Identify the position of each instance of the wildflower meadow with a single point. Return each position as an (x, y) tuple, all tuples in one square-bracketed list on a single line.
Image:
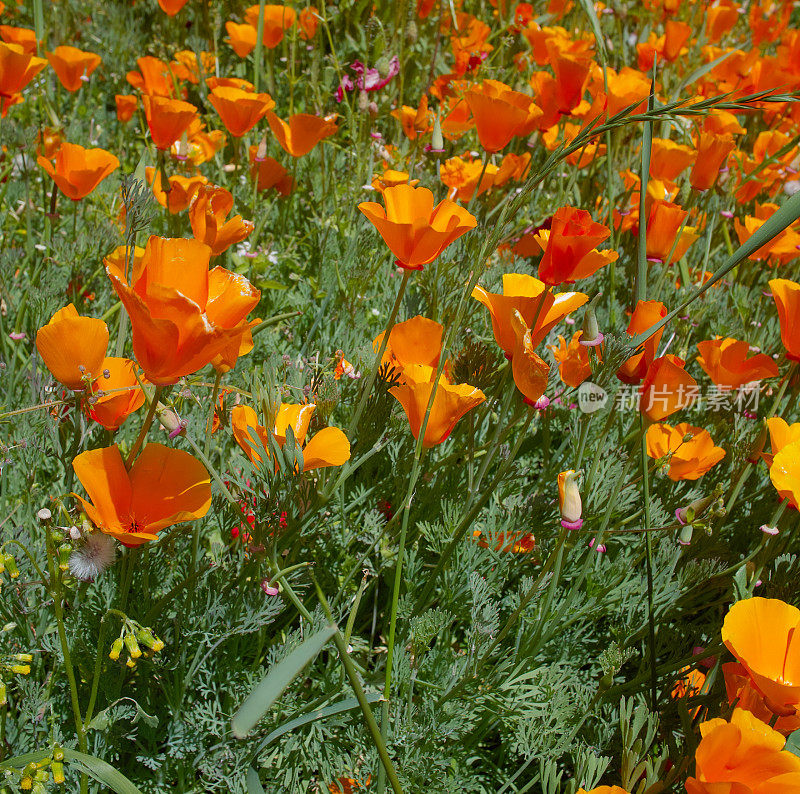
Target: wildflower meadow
[(400, 397)]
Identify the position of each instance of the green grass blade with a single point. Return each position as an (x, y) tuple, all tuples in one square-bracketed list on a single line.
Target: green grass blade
[(773, 226), (588, 7), (279, 677), (640, 286), (253, 783), (102, 772), (702, 71)]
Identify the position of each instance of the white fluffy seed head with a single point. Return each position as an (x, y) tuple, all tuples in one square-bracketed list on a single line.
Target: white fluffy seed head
[(92, 557)]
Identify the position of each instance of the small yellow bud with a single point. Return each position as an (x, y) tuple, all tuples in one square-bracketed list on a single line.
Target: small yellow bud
[(116, 649), (133, 647), (57, 769)]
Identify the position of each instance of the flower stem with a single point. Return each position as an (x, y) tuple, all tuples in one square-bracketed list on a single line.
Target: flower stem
[(151, 412)]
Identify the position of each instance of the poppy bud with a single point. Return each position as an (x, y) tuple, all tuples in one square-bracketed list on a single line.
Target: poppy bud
[(606, 682), (569, 500), (383, 66), (591, 336), (363, 101), (116, 649), (688, 514), (437, 140), (169, 420), (685, 536)]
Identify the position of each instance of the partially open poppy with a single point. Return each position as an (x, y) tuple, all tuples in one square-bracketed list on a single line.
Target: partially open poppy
[(182, 189), (743, 756), (116, 393), (762, 633), (449, 405), (415, 121), (73, 347), (645, 315), (25, 37), (524, 293), (17, 69), (154, 77), (207, 216), (73, 66), (688, 460), (664, 220), (163, 487), (171, 7), (78, 171), (667, 387), (168, 119), (529, 370), (787, 300), (303, 132), (574, 366), (570, 247), (415, 341), (725, 361), (182, 315), (501, 113), (416, 231), (668, 160), (328, 447), (269, 173), (308, 20), (126, 106), (712, 153), (242, 38), (240, 110), (277, 20)]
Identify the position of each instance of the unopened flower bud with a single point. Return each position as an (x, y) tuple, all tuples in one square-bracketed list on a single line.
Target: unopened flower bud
[(116, 649), (411, 32), (591, 336), (11, 566), (569, 500), (20, 669), (133, 647), (685, 536), (57, 768), (437, 140), (169, 419), (23, 657), (3, 693), (606, 682), (63, 556), (688, 514), (383, 66)]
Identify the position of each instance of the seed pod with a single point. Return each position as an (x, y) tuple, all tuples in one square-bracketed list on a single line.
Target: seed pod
[(685, 536)]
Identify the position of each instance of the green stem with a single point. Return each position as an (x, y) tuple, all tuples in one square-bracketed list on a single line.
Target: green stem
[(649, 562), (151, 412)]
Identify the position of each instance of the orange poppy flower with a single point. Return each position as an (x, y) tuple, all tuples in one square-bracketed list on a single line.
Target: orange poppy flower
[(570, 505), (268, 173), (277, 20), (182, 189), (49, 141), (242, 38), (171, 7), (116, 397), (762, 633), (415, 341), (524, 293), (302, 133), (785, 474), (416, 231), (572, 75), (197, 146), (781, 249), (570, 247), (663, 222), (25, 37), (741, 693), (625, 88), (645, 315), (604, 790), (787, 300), (226, 360), (17, 69), (573, 360), (329, 447), (182, 315), (308, 20), (154, 77), (168, 119), (78, 171), (240, 110), (668, 160), (449, 405), (73, 66), (530, 372), (688, 460), (391, 178), (500, 113), (163, 487), (462, 176), (725, 362), (186, 65), (689, 685), (743, 756), (207, 216), (73, 347), (781, 433), (721, 17), (126, 106), (415, 120), (667, 387), (712, 152)]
